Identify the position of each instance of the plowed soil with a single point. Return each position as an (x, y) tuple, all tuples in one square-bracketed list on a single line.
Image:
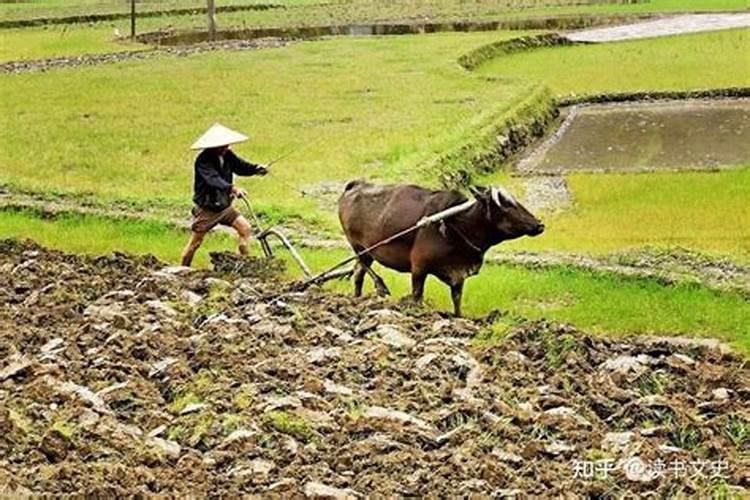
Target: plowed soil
[(119, 376)]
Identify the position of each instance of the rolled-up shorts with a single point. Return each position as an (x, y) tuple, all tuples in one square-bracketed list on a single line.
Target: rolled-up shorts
[(204, 220)]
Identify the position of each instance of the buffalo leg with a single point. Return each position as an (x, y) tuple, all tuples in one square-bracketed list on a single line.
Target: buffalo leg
[(457, 291), (359, 279), (380, 285), (417, 285), (364, 266)]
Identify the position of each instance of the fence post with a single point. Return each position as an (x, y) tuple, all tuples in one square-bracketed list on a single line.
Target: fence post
[(132, 19), (211, 20)]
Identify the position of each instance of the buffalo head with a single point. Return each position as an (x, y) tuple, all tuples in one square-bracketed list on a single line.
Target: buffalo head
[(507, 216)]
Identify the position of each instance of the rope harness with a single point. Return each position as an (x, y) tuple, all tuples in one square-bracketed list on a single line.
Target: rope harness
[(448, 225)]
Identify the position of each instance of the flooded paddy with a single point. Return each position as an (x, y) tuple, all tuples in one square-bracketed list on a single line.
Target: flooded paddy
[(647, 136)]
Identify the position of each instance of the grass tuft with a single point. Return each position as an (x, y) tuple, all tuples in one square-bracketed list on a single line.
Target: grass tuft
[(288, 423)]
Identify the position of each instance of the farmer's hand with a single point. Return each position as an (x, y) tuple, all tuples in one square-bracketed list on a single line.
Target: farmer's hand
[(261, 170), (238, 192)]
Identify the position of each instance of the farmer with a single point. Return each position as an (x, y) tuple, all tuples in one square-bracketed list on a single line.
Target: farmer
[(213, 190)]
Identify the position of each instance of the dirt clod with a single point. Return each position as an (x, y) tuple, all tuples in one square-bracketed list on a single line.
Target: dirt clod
[(252, 267)]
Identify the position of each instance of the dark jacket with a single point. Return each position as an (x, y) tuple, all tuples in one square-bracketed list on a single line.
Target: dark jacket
[(213, 182)]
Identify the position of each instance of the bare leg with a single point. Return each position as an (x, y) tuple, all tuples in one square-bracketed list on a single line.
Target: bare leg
[(457, 291), (245, 233), (195, 242)]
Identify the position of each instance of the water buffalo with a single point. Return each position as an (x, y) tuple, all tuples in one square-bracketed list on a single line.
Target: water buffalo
[(451, 250)]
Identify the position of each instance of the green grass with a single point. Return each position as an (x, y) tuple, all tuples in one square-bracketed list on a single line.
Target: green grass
[(596, 302), (705, 60), (706, 211), (61, 8), (96, 235), (57, 41), (183, 400), (356, 107), (291, 424), (64, 429)]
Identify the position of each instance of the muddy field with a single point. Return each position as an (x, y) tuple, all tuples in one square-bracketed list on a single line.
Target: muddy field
[(671, 135), (120, 376)]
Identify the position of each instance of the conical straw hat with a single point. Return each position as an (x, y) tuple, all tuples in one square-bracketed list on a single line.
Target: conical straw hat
[(218, 135)]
